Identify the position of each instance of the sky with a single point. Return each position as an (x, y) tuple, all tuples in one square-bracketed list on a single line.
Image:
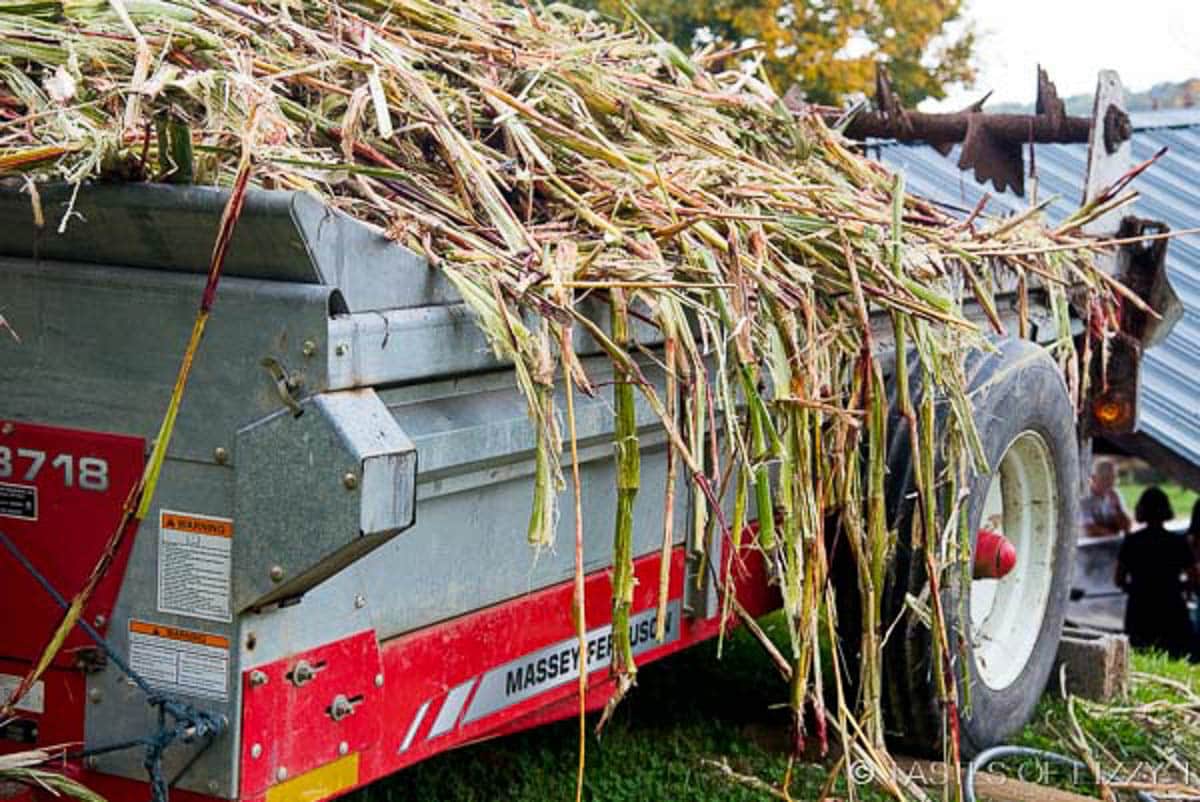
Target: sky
[(1146, 41)]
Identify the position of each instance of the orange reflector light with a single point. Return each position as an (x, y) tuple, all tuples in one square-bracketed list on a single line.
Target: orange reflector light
[(1113, 412)]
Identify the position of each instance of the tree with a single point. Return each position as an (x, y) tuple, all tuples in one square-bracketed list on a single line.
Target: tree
[(829, 47)]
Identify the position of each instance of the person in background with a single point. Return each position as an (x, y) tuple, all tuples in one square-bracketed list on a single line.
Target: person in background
[(1193, 531), (1193, 537), (1155, 568), (1101, 510)]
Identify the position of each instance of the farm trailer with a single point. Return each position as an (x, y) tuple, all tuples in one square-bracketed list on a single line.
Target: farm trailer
[(330, 585)]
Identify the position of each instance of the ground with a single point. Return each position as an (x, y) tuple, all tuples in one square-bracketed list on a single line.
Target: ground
[(693, 707)]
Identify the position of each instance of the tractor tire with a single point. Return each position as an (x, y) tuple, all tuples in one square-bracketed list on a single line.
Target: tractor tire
[(1004, 636)]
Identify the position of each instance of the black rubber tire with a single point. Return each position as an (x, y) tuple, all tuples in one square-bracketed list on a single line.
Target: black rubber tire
[(1017, 389)]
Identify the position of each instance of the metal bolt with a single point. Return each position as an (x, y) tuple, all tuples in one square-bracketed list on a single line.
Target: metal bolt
[(99, 621), (90, 762), (213, 786), (340, 708), (95, 696), (276, 573), (350, 480), (379, 680), (343, 748), (281, 773), (302, 674), (257, 678), (309, 348), (341, 349), (256, 751), (360, 601), (220, 455)]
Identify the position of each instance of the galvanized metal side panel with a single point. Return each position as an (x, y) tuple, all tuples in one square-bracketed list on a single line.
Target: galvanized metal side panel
[(431, 342), (281, 236), (468, 548), (371, 271), (157, 226), (100, 348), (116, 710)]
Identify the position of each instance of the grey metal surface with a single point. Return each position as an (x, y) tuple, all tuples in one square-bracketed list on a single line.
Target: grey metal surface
[(1170, 192), (158, 226), (316, 492), (430, 342), (281, 236), (121, 711), (468, 547), (100, 348)]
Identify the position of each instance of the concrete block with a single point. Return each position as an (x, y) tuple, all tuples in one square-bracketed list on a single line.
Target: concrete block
[(1097, 664)]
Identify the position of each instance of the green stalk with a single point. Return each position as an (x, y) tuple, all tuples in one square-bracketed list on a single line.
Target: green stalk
[(628, 459)]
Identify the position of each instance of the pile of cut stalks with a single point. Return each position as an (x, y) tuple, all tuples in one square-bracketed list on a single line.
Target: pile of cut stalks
[(541, 156)]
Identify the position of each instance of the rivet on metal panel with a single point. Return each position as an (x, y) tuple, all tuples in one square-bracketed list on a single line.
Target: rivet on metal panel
[(213, 786), (221, 455), (341, 349), (281, 773), (343, 748), (309, 348), (95, 696), (257, 678), (276, 573), (360, 601), (90, 762), (256, 751), (350, 480), (379, 680), (99, 621)]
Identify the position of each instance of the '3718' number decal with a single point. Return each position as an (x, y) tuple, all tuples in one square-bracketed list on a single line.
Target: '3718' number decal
[(87, 473)]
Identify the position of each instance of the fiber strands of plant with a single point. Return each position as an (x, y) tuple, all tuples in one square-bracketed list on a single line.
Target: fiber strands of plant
[(538, 157)]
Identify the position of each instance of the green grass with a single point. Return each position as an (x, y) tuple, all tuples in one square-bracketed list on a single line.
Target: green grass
[(1126, 744), (692, 707), (1181, 498)]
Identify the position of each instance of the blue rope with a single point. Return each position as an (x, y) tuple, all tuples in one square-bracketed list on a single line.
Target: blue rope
[(178, 721)]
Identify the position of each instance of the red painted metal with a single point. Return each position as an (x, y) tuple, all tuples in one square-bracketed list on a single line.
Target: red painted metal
[(80, 481), (298, 724), (395, 727), (995, 555)]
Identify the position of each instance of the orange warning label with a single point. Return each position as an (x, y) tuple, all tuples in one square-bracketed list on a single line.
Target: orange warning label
[(195, 524), (177, 634)]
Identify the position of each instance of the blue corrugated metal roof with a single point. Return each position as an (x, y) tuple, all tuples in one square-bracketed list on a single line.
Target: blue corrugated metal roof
[(1169, 411)]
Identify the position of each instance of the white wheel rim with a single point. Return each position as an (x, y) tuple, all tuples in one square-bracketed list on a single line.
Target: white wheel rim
[(1006, 614)]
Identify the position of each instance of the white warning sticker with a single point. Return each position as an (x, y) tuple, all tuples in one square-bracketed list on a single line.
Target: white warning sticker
[(34, 700), (180, 660), (194, 558)]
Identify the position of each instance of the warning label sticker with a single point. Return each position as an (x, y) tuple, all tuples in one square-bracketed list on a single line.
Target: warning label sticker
[(18, 501), (180, 660), (34, 700), (194, 557)]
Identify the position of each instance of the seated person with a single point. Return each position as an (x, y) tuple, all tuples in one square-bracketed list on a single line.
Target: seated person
[(1102, 511), (1151, 568)]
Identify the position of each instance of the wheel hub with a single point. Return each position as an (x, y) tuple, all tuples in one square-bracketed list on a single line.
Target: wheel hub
[(1014, 560)]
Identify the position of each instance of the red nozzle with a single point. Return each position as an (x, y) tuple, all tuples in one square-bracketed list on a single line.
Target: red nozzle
[(995, 555)]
